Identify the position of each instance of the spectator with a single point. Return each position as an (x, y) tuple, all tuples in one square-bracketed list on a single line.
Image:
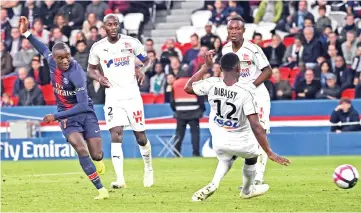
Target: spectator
[(97, 7), (94, 37), (311, 47), (349, 26), (118, 6), (175, 68), (216, 70), (282, 87), (91, 21), (149, 45), (219, 14), (158, 80), (61, 22), (192, 53), (325, 69), (293, 54), (41, 74), (307, 88), (73, 12), (257, 39), (332, 53), (269, 11), (233, 7), (324, 39), (196, 64), (6, 61), (57, 37), (349, 47), (48, 11), (96, 91), (300, 76), (171, 51), (31, 11), (275, 51), (6, 100), (218, 50), (168, 92), (24, 56), (31, 95), (19, 82), (344, 75), (296, 22), (15, 43), (331, 90), (5, 26), (208, 39), (332, 40), (82, 55), (345, 113), (358, 88), (153, 58), (356, 63), (323, 20), (39, 32), (271, 89)]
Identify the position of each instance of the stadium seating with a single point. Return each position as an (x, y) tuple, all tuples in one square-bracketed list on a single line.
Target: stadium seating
[(348, 93), (338, 16), (200, 18), (48, 93), (184, 33), (9, 84), (132, 23), (222, 32), (148, 98)]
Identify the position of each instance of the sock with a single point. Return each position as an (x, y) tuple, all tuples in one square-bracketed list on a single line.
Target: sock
[(118, 161), (90, 170), (261, 165), (146, 152), (222, 168), (248, 177)]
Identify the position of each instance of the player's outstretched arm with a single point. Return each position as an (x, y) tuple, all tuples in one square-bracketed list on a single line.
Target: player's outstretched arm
[(199, 75), (265, 75), (39, 46), (262, 140)]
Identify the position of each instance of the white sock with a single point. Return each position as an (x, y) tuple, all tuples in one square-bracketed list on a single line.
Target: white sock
[(118, 161), (222, 168), (261, 165), (248, 177), (146, 152)]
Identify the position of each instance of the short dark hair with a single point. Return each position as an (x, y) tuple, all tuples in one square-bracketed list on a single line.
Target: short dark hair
[(60, 46), (93, 27), (237, 18), (80, 41), (229, 62), (322, 7), (151, 51), (195, 35), (149, 39), (256, 34), (309, 18)]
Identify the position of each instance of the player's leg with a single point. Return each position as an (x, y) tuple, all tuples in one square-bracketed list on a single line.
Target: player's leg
[(264, 113), (116, 118), (135, 114), (195, 132), (180, 132), (77, 142)]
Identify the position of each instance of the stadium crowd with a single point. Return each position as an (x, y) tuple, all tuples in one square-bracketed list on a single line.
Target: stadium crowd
[(311, 60)]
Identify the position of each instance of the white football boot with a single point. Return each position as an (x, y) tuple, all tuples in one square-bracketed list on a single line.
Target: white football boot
[(204, 193), (118, 185), (148, 178), (255, 190)]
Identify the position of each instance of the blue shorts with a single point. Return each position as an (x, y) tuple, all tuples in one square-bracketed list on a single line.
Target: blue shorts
[(86, 123)]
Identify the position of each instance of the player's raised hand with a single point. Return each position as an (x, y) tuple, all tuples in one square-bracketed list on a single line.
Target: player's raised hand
[(209, 57), (104, 82), (23, 24), (278, 159), (49, 118)]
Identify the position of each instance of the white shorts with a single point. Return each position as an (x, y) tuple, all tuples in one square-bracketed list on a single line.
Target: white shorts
[(227, 145), (125, 113), (263, 106)]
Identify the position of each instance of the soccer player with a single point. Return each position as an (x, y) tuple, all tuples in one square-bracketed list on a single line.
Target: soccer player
[(76, 114), (255, 70), (116, 54), (234, 125)]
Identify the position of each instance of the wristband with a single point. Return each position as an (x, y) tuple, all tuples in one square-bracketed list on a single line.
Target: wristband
[(26, 34)]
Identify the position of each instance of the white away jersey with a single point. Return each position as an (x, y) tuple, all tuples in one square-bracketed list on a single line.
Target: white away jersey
[(230, 105), (118, 65), (252, 60)]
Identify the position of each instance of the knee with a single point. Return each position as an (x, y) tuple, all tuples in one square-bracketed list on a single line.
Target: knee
[(97, 156), (81, 150), (117, 137), (141, 139)]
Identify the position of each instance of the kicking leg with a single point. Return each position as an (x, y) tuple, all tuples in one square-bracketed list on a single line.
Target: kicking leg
[(77, 142), (96, 153), (249, 171), (146, 152), (117, 156)]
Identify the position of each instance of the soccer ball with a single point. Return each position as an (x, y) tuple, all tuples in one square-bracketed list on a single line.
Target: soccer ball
[(345, 176)]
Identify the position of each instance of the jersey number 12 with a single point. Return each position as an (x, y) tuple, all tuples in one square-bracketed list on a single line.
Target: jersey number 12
[(229, 114)]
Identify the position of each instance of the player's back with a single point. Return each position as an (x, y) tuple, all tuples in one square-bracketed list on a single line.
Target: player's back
[(229, 106), (118, 64)]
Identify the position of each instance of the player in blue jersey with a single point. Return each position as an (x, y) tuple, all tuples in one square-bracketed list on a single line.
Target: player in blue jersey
[(76, 114)]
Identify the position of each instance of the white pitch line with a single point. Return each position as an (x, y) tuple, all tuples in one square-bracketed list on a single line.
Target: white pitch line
[(45, 175)]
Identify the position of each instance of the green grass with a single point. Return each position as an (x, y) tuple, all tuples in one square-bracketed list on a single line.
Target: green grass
[(306, 185)]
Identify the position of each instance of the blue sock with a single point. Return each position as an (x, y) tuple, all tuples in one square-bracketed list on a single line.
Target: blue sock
[(90, 170)]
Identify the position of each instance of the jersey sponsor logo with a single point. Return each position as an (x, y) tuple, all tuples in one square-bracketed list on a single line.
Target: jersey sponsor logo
[(80, 89), (127, 45), (118, 61), (66, 81), (138, 116), (59, 89), (227, 124), (245, 57), (244, 73)]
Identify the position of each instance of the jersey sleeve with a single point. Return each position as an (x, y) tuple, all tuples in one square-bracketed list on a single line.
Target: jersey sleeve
[(93, 56), (139, 50), (261, 60), (202, 87), (249, 104)]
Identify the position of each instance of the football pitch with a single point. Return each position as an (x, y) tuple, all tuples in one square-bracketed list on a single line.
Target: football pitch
[(60, 186)]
